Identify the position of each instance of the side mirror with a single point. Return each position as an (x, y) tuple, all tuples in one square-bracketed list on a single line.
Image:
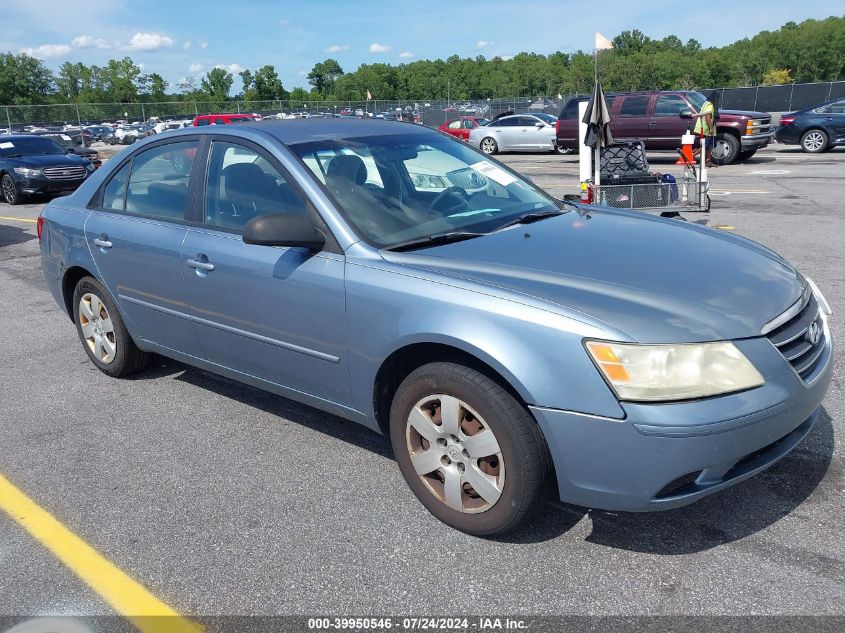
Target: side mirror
[(685, 114), (539, 124), (283, 229)]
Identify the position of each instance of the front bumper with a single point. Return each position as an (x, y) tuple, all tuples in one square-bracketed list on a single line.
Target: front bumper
[(663, 456), (755, 141), (43, 185)]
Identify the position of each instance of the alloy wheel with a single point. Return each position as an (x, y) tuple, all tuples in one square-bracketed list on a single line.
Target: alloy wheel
[(97, 328), (455, 453), (720, 150), (9, 193), (488, 146), (814, 141)]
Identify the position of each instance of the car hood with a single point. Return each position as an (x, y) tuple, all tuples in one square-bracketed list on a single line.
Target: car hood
[(48, 160), (748, 113), (657, 280)]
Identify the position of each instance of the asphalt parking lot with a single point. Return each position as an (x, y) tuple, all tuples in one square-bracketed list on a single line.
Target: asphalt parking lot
[(221, 500)]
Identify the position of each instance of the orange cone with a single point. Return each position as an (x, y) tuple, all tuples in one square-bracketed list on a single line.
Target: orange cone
[(687, 141)]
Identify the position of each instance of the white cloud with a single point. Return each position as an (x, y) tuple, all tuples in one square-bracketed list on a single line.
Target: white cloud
[(506, 58), (284, 22), (483, 43), (337, 48), (380, 48), (47, 51), (148, 42), (196, 68), (406, 55), (187, 45), (232, 68), (88, 41), (301, 73), (141, 65), (202, 43)]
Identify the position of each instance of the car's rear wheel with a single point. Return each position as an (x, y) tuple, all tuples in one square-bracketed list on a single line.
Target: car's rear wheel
[(102, 331), (10, 190), (562, 150), (470, 452), (489, 145), (814, 141)]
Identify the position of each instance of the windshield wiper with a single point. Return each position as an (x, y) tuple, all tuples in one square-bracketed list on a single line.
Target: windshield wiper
[(528, 218), (434, 240)]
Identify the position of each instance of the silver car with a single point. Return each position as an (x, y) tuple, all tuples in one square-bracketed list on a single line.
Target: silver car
[(516, 133)]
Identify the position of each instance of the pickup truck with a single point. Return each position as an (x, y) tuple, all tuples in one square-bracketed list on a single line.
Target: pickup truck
[(656, 118)]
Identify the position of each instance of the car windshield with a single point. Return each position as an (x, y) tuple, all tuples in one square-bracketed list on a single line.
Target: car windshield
[(62, 139), (404, 187), (482, 121), (28, 146), (697, 99)]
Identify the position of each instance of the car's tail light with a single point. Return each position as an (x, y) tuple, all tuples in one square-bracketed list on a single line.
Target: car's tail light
[(557, 126), (786, 120), (39, 226)]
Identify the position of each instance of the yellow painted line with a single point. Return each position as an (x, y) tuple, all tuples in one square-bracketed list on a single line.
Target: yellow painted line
[(723, 227), (126, 596), (6, 217)]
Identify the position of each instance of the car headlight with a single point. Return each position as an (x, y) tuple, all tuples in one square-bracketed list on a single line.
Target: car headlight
[(26, 172), (673, 372), (424, 181), (823, 304)]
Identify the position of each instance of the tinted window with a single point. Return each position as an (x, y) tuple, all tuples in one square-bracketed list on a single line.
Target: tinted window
[(634, 106), (158, 185), (219, 120), (28, 146), (511, 121), (242, 184), (114, 192), (669, 105), (571, 110), (833, 108), (203, 122)]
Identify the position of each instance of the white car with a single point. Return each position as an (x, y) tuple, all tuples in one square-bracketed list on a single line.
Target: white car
[(516, 133)]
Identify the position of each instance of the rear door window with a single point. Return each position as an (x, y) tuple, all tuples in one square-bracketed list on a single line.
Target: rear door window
[(571, 110), (114, 193), (634, 105), (158, 184)]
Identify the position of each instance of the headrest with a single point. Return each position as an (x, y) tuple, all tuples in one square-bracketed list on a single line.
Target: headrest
[(348, 167)]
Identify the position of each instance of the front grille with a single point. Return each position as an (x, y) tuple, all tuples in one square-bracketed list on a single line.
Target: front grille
[(760, 126), (64, 173), (801, 339)]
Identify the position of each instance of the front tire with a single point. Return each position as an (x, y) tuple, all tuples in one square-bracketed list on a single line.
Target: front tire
[(489, 146), (814, 141), (10, 190), (472, 454), (744, 156), (725, 149), (102, 332)]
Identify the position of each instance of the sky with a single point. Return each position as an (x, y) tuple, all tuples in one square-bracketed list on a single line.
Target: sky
[(182, 39)]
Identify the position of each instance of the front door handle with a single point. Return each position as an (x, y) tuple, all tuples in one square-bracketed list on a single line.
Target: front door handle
[(201, 265), (102, 241)]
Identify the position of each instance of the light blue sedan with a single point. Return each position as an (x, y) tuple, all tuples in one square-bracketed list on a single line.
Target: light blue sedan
[(497, 335)]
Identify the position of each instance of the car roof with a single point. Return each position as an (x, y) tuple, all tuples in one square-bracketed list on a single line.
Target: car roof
[(11, 137), (293, 131)]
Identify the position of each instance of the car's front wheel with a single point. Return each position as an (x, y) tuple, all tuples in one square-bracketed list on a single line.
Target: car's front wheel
[(725, 148), (814, 141), (470, 452), (489, 145), (102, 331), (10, 190)]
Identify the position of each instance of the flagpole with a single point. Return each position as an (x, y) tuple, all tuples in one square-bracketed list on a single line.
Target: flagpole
[(597, 154)]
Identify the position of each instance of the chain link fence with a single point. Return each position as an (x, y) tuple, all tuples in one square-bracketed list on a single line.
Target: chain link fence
[(433, 112)]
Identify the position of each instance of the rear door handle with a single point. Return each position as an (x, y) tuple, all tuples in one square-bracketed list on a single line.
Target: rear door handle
[(102, 241), (195, 263)]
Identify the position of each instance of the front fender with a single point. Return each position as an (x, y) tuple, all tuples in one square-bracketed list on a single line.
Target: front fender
[(540, 353)]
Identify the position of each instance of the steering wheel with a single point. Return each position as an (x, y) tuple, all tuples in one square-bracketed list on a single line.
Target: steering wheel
[(453, 191)]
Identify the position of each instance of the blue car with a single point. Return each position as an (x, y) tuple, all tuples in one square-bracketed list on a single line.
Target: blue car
[(394, 276), (815, 129)]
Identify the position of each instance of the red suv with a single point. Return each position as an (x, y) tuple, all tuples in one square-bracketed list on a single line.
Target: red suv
[(223, 119), (656, 118)]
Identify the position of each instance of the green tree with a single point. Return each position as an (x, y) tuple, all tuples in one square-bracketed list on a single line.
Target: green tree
[(119, 79), (217, 83), (777, 76), (324, 75), (24, 79)]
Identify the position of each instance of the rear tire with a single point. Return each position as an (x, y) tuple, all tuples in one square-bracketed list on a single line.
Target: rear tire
[(489, 146), (814, 141), (562, 150), (102, 332), (436, 412)]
